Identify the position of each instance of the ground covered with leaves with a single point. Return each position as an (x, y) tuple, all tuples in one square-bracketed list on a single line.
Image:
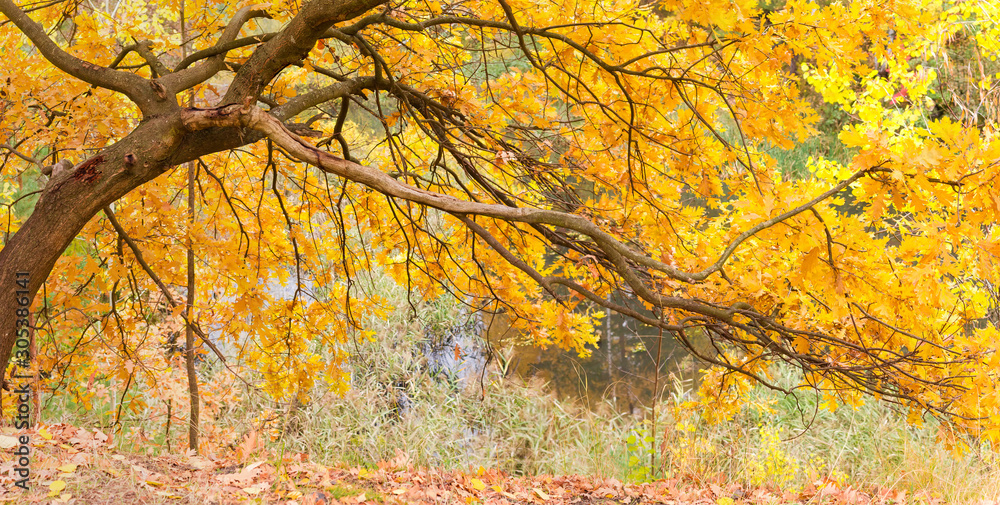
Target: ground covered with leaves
[(76, 465)]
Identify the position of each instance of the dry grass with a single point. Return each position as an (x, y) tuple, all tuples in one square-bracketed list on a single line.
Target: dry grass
[(397, 402)]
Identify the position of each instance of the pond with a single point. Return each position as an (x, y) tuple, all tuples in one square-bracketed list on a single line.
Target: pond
[(620, 372)]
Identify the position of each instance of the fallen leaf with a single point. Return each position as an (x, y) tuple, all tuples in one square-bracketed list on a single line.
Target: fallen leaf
[(401, 461), (201, 463), (7, 442), (67, 468), (44, 433), (478, 484), (541, 494), (248, 446), (56, 487)]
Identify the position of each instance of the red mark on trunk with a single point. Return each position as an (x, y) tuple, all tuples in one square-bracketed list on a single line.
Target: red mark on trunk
[(87, 171)]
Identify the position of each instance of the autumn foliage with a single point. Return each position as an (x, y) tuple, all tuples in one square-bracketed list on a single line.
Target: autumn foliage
[(533, 158)]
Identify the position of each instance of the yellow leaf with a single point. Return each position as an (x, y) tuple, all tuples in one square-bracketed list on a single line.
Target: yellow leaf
[(724, 500), (801, 345), (811, 260), (44, 433), (478, 484), (56, 487), (541, 494), (67, 468)]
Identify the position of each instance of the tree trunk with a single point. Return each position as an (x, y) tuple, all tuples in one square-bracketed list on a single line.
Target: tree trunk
[(192, 372), (68, 202)]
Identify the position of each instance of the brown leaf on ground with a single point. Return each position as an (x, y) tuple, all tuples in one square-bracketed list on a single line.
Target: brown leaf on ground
[(105, 477)]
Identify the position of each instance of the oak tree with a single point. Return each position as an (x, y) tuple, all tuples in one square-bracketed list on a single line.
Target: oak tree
[(536, 158)]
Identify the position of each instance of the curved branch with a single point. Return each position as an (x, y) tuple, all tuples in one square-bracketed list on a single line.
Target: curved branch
[(220, 48), (300, 103), (292, 44), (719, 263), (122, 54), (30, 159), (338, 128), (618, 252), (145, 50), (188, 77), (507, 255), (133, 86)]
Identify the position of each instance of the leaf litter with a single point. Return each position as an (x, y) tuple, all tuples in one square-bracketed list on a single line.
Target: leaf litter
[(72, 465)]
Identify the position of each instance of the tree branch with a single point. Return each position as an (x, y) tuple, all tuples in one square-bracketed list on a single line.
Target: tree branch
[(300, 103), (619, 253), (133, 86), (163, 287), (291, 45), (30, 159), (145, 50), (188, 77), (719, 263), (507, 255), (220, 48)]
